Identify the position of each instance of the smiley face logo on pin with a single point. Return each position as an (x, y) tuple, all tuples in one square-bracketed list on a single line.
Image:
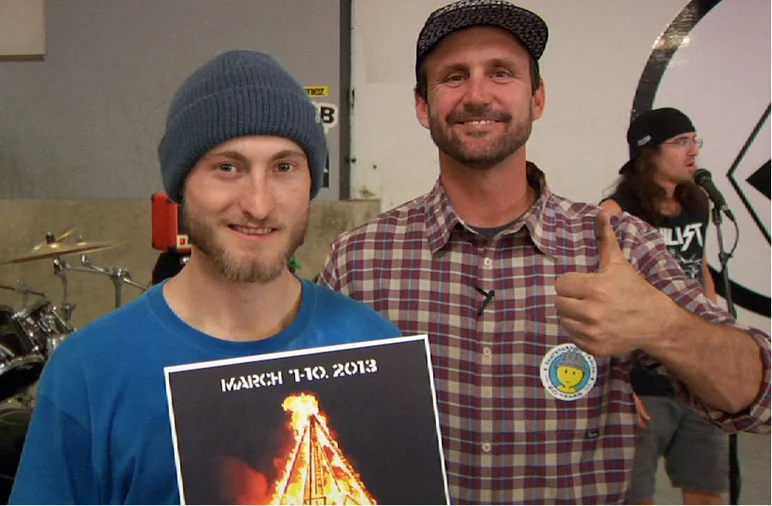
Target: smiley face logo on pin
[(568, 373)]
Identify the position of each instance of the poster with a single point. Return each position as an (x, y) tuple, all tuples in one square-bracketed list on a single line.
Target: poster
[(347, 424)]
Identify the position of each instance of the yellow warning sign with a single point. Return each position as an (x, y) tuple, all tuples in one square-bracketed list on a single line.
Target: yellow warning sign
[(317, 91)]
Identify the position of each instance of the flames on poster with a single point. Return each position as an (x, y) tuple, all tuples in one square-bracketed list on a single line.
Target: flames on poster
[(315, 471)]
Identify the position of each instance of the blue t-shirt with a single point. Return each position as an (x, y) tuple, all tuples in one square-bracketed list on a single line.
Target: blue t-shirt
[(100, 432)]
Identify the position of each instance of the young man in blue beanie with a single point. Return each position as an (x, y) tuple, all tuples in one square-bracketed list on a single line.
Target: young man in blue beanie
[(244, 153)]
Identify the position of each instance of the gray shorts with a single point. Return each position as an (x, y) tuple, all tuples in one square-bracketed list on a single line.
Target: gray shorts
[(696, 452)]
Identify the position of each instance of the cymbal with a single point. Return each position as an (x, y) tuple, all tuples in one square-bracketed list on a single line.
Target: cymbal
[(56, 249), (51, 239), (67, 233)]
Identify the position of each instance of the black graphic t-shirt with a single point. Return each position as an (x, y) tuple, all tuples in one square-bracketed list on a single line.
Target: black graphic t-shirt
[(684, 236)]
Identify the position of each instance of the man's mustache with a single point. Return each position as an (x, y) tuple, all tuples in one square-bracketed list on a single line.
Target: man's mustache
[(470, 114)]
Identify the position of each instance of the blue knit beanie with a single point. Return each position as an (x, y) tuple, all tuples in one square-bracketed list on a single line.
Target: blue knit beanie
[(238, 93)]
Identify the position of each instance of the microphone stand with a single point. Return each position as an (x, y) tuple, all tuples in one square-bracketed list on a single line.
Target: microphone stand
[(735, 480)]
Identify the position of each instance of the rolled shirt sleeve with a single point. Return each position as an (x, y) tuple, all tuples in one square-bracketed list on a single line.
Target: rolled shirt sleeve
[(644, 248)]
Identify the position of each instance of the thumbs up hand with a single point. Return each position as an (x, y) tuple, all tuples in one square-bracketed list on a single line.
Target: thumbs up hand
[(615, 310)]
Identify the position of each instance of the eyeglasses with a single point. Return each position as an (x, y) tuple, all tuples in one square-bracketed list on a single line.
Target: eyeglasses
[(685, 142)]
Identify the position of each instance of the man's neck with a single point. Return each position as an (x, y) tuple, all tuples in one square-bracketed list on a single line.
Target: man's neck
[(233, 311), (488, 198)]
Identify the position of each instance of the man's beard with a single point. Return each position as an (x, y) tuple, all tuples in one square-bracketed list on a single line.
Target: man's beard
[(255, 268), (515, 135)]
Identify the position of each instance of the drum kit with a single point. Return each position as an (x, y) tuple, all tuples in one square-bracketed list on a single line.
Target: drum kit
[(28, 336)]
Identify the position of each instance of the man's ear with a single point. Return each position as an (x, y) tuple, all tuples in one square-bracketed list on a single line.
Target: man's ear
[(538, 100), (325, 182), (421, 109)]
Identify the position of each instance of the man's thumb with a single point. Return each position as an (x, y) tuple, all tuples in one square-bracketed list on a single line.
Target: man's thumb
[(608, 245)]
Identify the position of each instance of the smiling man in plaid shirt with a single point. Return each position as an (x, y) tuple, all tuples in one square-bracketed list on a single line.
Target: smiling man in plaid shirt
[(535, 306)]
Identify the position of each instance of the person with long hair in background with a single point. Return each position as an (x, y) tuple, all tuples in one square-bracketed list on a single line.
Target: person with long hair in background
[(656, 185)]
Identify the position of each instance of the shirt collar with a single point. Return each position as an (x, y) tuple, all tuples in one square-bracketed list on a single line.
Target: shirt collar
[(441, 219), (539, 219)]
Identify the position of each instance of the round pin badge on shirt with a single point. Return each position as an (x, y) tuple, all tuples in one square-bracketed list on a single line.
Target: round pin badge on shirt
[(568, 373)]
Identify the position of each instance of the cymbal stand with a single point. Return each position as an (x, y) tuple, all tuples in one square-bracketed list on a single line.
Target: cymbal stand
[(24, 290), (60, 270), (117, 275)]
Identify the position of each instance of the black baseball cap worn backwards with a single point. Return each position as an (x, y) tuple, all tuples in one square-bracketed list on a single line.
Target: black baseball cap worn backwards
[(651, 128)]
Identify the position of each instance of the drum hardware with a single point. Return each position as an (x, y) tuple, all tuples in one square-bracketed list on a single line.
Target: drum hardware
[(25, 399), (118, 276), (51, 239), (54, 248), (21, 357), (43, 324), (59, 271), (30, 335), (24, 290)]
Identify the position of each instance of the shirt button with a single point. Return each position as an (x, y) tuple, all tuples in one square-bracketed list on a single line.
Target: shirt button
[(488, 262), (487, 352), (486, 447)]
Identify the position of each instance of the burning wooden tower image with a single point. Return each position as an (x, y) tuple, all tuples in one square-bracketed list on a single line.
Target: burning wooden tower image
[(316, 471)]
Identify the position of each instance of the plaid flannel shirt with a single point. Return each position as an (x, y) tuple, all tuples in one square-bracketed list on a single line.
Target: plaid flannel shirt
[(506, 439)]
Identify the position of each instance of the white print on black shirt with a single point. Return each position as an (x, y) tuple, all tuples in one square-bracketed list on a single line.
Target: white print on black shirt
[(678, 236), (685, 243)]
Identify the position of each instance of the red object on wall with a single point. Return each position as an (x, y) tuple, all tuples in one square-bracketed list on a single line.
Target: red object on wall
[(168, 231)]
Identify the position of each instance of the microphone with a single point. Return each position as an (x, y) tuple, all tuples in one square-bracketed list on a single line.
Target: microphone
[(488, 298), (703, 179)]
